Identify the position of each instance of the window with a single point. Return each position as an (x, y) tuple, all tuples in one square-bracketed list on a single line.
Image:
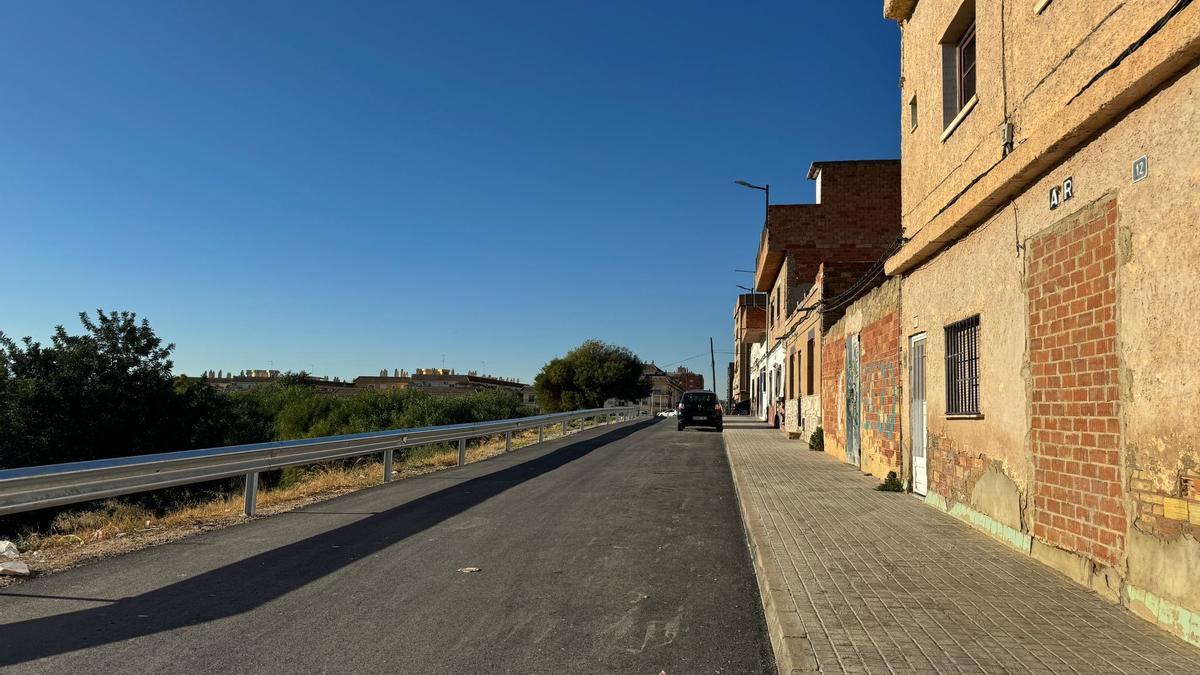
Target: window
[(791, 376), (966, 67), (962, 367), (808, 357), (912, 114), (958, 68)]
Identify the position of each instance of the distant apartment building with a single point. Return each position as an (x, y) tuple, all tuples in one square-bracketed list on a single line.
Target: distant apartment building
[(399, 379), (666, 391), (687, 379), (249, 379), (1050, 289), (433, 381), (749, 328), (444, 382)]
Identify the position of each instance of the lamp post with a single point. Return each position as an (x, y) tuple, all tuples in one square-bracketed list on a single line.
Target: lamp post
[(766, 188)]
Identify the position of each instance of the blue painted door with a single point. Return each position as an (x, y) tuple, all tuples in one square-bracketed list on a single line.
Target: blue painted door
[(853, 400)]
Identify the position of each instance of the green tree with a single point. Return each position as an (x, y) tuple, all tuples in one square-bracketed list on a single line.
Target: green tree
[(588, 376), (299, 379), (107, 391)]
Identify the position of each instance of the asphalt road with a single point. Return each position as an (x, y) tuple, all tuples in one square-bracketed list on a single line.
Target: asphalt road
[(616, 549)]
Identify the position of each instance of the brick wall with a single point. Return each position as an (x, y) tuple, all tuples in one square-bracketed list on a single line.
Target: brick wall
[(879, 382), (865, 185), (953, 473), (857, 220), (880, 376), (875, 319), (833, 395), (1071, 288), (843, 283), (813, 234)]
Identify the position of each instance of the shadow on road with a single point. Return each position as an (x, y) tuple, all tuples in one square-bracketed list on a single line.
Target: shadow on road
[(257, 580)]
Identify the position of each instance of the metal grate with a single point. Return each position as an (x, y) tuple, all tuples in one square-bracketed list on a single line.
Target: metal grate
[(962, 367)]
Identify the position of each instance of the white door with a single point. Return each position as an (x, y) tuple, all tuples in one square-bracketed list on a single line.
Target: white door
[(916, 414)]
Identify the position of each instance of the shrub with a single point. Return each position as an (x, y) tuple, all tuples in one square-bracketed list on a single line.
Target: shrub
[(891, 483), (817, 440)]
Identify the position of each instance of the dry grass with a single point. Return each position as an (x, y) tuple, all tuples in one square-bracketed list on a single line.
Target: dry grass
[(116, 527)]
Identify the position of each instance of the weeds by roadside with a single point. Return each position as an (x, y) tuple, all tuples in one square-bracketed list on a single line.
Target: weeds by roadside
[(115, 526)]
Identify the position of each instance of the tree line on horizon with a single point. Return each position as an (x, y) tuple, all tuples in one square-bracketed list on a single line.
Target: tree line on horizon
[(109, 392)]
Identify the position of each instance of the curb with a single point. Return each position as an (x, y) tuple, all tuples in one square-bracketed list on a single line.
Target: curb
[(789, 639)]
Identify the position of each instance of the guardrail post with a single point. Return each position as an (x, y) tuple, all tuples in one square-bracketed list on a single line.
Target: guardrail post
[(508, 441), (251, 493), (541, 432), (387, 466), (462, 452), (564, 427)]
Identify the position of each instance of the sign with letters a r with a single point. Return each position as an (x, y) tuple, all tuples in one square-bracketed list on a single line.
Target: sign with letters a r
[(1058, 195)]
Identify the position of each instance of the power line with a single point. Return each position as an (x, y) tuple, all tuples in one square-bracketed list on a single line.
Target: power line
[(675, 363)]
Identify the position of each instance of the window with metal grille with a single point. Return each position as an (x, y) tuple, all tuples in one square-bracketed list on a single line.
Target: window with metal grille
[(962, 367)]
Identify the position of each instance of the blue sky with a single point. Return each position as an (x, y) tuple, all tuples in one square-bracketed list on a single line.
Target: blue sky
[(343, 187)]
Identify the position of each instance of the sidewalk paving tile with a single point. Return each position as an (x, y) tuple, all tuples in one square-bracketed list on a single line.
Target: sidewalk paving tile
[(883, 583)]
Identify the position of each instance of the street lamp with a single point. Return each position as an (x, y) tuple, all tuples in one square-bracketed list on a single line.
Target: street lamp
[(766, 188)]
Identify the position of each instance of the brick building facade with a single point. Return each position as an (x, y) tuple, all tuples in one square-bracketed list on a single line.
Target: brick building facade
[(1049, 306), (687, 379), (813, 260), (749, 328), (860, 383)]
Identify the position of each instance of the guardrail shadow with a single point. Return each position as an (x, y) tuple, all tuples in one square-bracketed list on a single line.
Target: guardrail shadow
[(251, 582)]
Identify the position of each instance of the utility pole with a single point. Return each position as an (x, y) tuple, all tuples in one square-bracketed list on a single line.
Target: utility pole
[(712, 356)]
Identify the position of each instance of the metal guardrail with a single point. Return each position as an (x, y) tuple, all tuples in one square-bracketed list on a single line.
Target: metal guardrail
[(39, 487)]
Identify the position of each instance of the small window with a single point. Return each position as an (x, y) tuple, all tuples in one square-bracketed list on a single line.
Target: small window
[(958, 45), (912, 114), (791, 376), (962, 367), (809, 355), (966, 67)]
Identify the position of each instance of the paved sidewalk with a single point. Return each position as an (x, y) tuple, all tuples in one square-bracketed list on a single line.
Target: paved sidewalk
[(857, 580)]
